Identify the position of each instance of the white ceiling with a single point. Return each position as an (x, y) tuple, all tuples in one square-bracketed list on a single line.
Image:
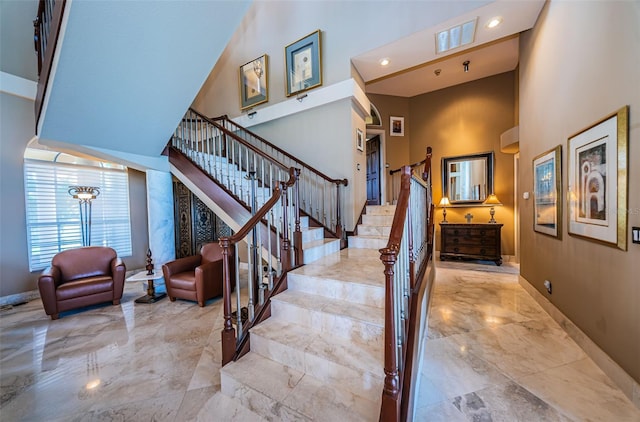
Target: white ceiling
[(413, 60)]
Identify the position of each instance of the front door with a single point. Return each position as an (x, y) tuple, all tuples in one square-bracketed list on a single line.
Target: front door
[(373, 171)]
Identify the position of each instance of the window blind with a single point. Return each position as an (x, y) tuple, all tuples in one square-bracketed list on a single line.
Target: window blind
[(53, 216)]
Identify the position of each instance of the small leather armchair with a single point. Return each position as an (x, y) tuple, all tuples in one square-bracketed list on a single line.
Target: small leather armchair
[(198, 277), (81, 277)]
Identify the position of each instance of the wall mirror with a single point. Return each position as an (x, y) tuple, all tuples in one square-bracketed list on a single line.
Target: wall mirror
[(467, 179)]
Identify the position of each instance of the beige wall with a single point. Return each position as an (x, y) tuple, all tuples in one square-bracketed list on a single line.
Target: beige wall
[(460, 120), (580, 63)]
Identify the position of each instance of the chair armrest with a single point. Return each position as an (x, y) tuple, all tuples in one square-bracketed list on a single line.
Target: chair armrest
[(118, 271), (180, 265), (48, 282), (209, 278)]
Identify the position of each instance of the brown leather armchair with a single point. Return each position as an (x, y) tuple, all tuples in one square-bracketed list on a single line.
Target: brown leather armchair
[(81, 277), (198, 277)]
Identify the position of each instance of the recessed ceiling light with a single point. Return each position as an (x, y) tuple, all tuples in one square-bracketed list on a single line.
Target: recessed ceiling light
[(384, 62), (494, 22)]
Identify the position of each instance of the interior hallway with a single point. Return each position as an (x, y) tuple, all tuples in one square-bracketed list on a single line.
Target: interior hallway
[(492, 355)]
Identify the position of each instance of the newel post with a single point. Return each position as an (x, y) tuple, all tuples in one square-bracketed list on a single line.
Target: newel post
[(390, 410), (228, 332), (338, 215), (297, 234)]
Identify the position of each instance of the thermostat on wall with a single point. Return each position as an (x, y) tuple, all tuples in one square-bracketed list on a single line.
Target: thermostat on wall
[(525, 195)]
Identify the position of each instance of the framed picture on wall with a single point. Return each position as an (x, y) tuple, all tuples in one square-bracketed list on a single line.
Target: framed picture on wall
[(396, 126), (303, 60), (597, 185), (254, 88), (359, 140), (547, 192)]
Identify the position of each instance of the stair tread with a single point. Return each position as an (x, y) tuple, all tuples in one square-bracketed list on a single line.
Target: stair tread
[(364, 313), (306, 397), (324, 345), (369, 236)]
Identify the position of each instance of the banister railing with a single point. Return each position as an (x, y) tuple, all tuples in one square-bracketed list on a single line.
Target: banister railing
[(263, 269), (405, 258), (396, 175), (320, 195), (46, 28)]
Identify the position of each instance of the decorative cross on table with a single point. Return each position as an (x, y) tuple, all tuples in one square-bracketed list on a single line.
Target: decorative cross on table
[(469, 216)]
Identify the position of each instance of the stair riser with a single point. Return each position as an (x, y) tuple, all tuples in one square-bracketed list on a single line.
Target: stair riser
[(349, 292), (380, 209), (317, 252), (257, 401), (365, 243), (377, 220), (341, 326), (382, 231), (312, 234), (361, 383)]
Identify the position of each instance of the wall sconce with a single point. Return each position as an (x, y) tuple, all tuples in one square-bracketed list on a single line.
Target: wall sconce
[(444, 203), (493, 201), (465, 65), (84, 195), (301, 97)]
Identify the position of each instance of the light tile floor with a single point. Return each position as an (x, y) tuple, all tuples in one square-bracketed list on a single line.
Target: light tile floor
[(492, 355)]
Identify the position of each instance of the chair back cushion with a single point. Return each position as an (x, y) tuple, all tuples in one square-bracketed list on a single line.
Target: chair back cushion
[(90, 261), (211, 252)]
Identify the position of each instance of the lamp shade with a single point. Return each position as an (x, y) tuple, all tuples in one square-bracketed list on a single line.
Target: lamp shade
[(492, 200), (444, 202)]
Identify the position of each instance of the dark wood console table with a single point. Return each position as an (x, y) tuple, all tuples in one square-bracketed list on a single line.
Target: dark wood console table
[(471, 241)]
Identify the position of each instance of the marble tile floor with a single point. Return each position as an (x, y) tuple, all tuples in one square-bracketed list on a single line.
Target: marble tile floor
[(492, 354)]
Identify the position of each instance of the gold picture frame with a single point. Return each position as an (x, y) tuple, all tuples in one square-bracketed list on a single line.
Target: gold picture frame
[(254, 82), (303, 64), (547, 192), (598, 180)]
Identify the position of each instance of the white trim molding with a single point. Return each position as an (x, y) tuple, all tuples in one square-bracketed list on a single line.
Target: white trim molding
[(20, 87), (348, 88)]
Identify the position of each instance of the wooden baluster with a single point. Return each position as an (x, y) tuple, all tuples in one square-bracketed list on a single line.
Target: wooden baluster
[(228, 332)]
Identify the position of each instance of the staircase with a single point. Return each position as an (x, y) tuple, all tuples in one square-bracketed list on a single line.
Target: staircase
[(320, 355), (373, 232)]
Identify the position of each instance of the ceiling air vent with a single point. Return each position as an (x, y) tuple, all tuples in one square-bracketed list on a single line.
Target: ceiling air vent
[(456, 36)]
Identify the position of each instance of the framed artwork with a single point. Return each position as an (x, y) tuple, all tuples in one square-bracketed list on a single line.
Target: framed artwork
[(254, 80), (547, 192), (359, 140), (597, 185), (396, 126), (303, 61)]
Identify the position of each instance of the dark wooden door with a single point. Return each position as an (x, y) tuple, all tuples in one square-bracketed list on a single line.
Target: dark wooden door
[(373, 171)]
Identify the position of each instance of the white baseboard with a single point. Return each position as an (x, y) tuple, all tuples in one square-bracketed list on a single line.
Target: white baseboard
[(629, 386)]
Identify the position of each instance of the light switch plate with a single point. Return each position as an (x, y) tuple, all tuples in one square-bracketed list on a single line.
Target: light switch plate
[(635, 234)]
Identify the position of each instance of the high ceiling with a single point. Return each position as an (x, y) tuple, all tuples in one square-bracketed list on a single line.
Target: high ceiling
[(416, 68)]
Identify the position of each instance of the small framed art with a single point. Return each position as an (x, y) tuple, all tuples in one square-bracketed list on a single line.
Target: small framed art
[(396, 126), (359, 140), (254, 80)]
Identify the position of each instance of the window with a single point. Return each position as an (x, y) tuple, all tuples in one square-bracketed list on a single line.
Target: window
[(53, 216)]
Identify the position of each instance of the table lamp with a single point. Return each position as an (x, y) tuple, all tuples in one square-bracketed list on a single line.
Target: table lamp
[(493, 201), (444, 203)]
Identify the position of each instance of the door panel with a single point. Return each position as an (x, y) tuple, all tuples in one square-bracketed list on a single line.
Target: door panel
[(373, 171)]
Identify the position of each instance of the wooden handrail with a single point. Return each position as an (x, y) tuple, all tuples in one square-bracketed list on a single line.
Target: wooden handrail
[(344, 182), (399, 355), (228, 332), (239, 139)]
